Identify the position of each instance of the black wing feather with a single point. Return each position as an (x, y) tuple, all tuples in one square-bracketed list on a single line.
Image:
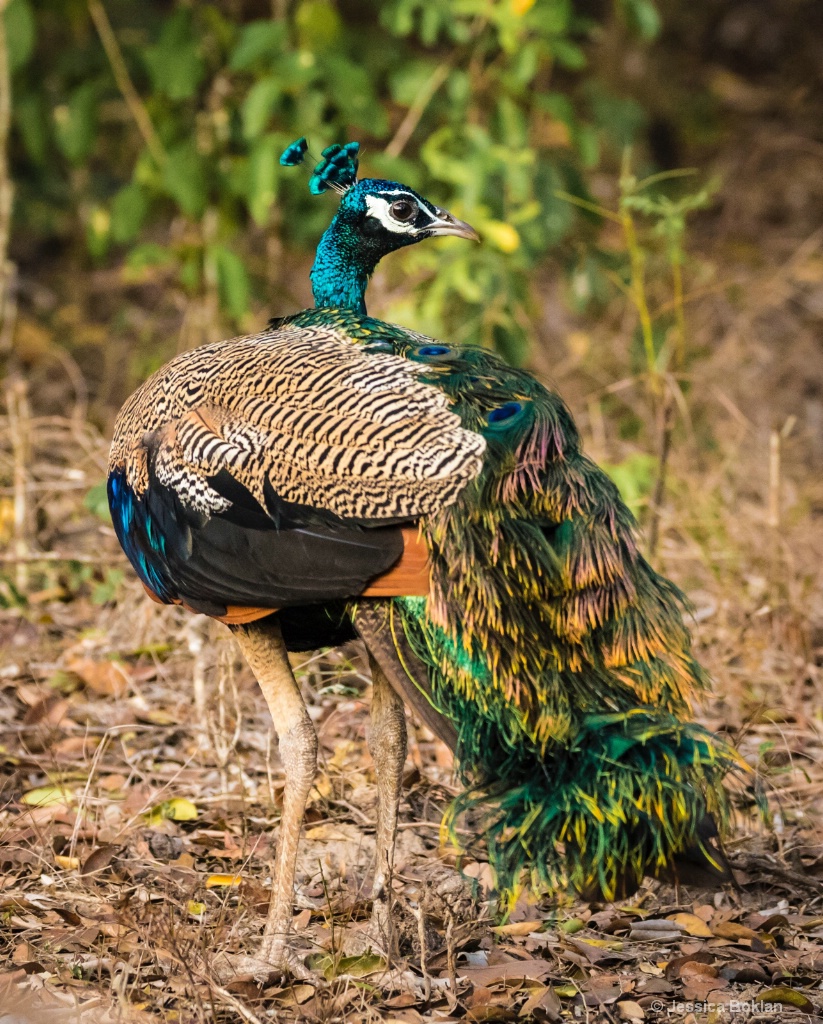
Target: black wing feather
[(232, 560)]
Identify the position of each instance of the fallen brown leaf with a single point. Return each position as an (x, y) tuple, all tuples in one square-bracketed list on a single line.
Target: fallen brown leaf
[(535, 970), (734, 931), (106, 678), (545, 1003), (693, 925), (674, 967), (518, 928)]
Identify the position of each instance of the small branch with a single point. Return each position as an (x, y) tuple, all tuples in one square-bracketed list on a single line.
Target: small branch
[(241, 1009), (6, 188), (774, 481), (773, 518), (417, 109), (124, 82), (678, 299), (637, 292), (17, 402), (584, 204), (751, 861), (667, 416), (7, 270)]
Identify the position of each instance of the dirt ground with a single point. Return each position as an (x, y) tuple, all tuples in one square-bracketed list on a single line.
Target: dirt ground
[(139, 784)]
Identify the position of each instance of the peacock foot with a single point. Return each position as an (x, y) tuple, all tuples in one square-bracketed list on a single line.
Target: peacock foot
[(378, 936), (274, 961)]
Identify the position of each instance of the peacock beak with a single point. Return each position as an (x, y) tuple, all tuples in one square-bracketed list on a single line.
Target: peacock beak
[(445, 223)]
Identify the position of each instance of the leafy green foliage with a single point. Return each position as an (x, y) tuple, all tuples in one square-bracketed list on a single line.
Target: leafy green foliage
[(634, 477), (474, 103), (174, 62), (97, 502)]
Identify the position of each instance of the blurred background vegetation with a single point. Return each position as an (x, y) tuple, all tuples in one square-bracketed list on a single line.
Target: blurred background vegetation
[(647, 178), (145, 141)]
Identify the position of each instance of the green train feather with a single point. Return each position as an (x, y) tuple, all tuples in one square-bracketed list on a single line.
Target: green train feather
[(559, 655)]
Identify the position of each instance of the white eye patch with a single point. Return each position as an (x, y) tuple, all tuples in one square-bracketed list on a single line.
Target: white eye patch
[(378, 208)]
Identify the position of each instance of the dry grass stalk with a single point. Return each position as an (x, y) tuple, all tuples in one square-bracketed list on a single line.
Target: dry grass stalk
[(6, 191), (121, 74), (19, 414)]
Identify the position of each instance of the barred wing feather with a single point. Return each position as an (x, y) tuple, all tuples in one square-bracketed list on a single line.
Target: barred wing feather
[(275, 469), (326, 424)]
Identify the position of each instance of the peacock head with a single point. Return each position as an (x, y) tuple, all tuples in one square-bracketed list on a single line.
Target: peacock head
[(375, 217)]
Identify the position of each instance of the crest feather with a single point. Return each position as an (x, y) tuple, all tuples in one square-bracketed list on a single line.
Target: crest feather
[(336, 171), (293, 155)]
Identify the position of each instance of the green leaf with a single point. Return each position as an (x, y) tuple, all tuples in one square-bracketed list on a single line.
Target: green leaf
[(128, 213), (358, 966), (634, 477), (190, 272), (568, 55), (318, 24), (184, 177), (351, 86), (106, 591), (98, 231), (32, 121), (97, 502), (258, 40), (148, 255), (259, 105), (47, 796), (620, 119), (262, 178), (787, 997), (20, 33), (232, 281), (643, 17), (176, 809), (174, 63), (75, 123), (407, 81), (511, 343), (552, 18)]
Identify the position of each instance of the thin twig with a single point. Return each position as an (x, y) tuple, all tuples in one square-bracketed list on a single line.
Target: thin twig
[(417, 109), (20, 433), (124, 83), (6, 184), (436, 825), (225, 996), (750, 860), (667, 416)]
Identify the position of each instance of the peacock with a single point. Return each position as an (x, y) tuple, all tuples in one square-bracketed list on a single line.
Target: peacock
[(335, 476)]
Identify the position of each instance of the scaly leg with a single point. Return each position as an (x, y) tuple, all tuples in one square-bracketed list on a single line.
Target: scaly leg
[(387, 743), (262, 646)]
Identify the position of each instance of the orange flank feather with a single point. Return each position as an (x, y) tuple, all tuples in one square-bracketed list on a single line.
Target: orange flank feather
[(408, 577), (410, 574)]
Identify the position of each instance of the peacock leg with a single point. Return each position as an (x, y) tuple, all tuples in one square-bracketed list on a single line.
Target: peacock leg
[(387, 743), (263, 647)]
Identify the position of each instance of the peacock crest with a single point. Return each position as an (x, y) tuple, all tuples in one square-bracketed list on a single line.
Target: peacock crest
[(335, 171)]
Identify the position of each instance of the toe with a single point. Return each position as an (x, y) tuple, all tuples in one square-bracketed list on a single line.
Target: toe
[(267, 966)]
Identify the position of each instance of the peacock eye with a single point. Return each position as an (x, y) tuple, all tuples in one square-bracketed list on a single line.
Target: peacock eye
[(403, 210)]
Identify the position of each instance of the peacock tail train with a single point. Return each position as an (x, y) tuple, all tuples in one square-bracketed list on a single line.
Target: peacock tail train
[(556, 651)]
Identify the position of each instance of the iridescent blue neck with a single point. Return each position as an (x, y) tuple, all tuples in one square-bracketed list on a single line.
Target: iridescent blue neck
[(342, 268)]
